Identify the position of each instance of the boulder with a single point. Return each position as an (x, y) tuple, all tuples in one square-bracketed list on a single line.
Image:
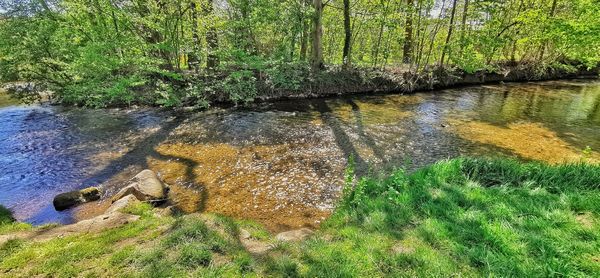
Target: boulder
[(122, 203), (89, 226), (166, 212), (145, 186), (128, 190), (69, 199), (294, 235)]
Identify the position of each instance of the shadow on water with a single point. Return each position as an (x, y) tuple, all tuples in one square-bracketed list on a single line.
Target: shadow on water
[(361, 131), (303, 145), (136, 159), (342, 139)]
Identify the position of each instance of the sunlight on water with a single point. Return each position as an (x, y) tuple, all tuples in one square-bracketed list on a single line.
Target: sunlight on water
[(283, 163), (528, 140)]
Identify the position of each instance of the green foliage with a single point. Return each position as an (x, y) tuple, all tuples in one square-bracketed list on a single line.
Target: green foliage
[(166, 95), (240, 86), (142, 209), (283, 267), (121, 53), (8, 223), (287, 76)]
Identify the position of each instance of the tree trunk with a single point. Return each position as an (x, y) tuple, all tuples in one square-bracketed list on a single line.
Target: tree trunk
[(379, 35), (212, 41), (303, 41), (348, 35), (193, 60), (543, 46), (408, 34), (316, 60), (450, 28), (434, 34), (420, 38), (463, 25)]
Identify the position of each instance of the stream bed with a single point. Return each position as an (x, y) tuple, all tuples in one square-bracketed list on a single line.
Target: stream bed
[(282, 163)]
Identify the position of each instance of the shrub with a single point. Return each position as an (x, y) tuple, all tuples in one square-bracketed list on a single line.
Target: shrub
[(240, 86), (5, 216)]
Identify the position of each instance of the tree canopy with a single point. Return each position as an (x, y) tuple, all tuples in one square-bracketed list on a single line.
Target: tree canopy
[(103, 52)]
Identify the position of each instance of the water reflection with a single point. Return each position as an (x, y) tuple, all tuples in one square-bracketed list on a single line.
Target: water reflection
[(283, 163)]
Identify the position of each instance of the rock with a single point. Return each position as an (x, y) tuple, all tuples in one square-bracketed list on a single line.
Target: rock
[(252, 245), (145, 187), (166, 212), (128, 190), (94, 225), (294, 235), (69, 199), (244, 234), (149, 185), (90, 194), (122, 203)]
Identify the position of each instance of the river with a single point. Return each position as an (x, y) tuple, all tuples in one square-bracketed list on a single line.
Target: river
[(282, 163)]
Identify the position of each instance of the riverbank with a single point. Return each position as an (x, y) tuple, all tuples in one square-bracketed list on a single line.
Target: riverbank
[(337, 82), (475, 217), (242, 86)]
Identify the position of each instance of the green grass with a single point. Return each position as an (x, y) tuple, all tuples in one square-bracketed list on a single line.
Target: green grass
[(477, 217), (8, 223), (462, 217)]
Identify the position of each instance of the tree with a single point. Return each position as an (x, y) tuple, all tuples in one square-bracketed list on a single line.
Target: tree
[(544, 42), (408, 34), (346, 58), (212, 41), (450, 28), (114, 52), (316, 60), (463, 24), (193, 60)]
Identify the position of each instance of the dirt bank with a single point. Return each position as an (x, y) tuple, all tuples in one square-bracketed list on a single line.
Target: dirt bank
[(335, 82)]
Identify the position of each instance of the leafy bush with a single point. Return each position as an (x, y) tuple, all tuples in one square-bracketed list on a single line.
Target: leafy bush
[(240, 86), (287, 76)]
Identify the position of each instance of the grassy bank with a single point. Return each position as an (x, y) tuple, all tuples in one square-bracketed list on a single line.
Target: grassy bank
[(468, 217)]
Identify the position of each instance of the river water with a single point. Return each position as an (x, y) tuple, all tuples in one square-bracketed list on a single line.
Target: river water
[(282, 163)]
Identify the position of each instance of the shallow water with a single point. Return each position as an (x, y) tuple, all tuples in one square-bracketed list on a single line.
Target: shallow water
[(283, 163)]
